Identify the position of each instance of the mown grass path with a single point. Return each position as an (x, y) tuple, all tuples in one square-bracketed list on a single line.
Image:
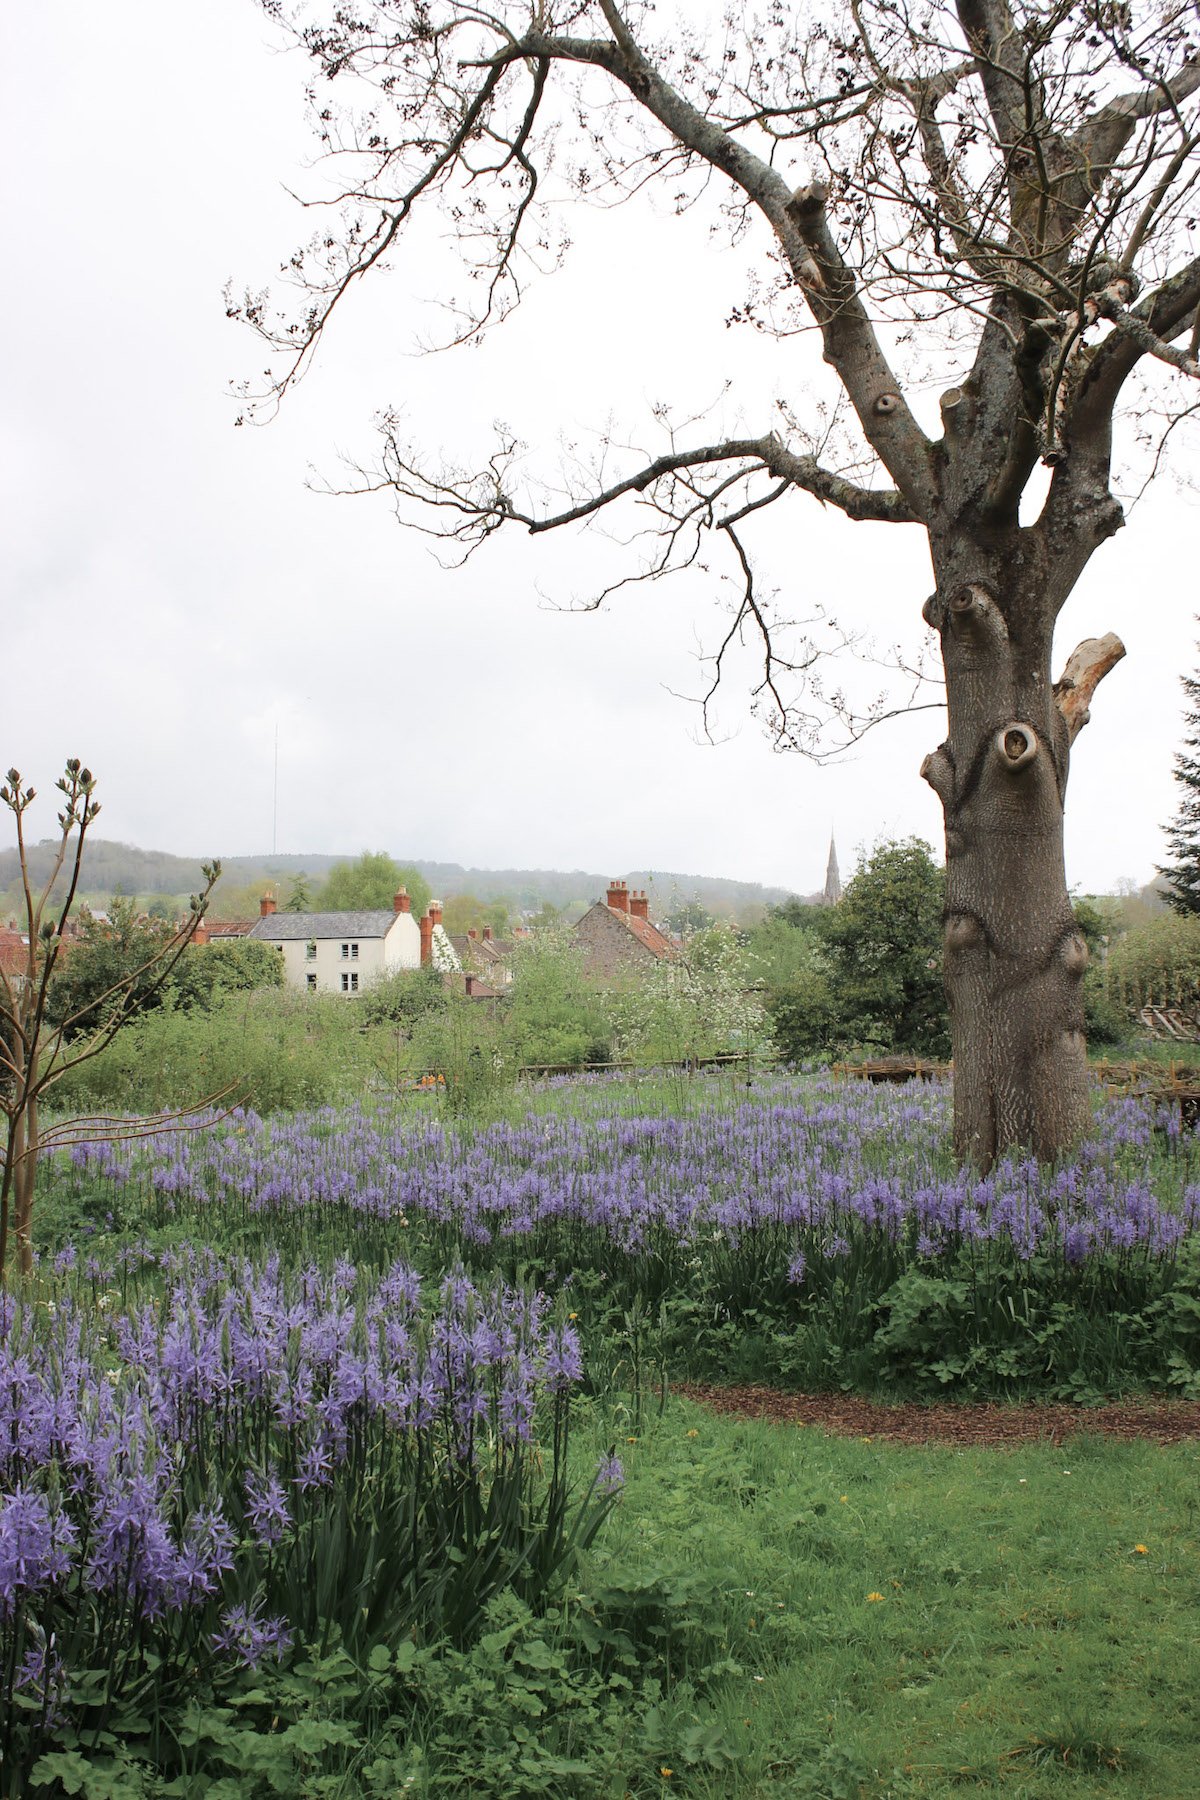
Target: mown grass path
[(932, 1620)]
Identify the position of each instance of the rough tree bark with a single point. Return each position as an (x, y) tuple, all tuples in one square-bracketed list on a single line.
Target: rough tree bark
[(1014, 958), (1025, 173)]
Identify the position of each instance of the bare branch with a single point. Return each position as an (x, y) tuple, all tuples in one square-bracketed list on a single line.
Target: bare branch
[(1108, 306), (1086, 668)]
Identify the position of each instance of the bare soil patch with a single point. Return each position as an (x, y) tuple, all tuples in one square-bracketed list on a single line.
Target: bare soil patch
[(990, 1425)]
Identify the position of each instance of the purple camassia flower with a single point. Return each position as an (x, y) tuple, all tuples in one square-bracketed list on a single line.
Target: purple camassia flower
[(207, 1554), (517, 1401), (266, 1508), (563, 1360), (610, 1476), (248, 1636), (42, 1677), (315, 1465), (131, 1544), (35, 1546), (1077, 1240), (796, 1268)]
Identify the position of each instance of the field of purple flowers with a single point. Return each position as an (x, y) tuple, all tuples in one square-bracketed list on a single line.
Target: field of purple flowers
[(806, 1229), (305, 1382)]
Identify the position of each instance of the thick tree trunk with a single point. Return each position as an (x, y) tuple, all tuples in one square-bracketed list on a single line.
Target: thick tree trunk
[(1014, 958)]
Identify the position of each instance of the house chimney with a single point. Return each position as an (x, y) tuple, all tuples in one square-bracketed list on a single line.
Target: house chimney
[(401, 901), (266, 906), (639, 904), (200, 935), (487, 934), (425, 926), (435, 912), (618, 896), (471, 931), (470, 985)]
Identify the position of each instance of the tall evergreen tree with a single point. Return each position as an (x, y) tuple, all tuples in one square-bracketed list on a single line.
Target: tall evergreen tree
[(1183, 834), (300, 898)]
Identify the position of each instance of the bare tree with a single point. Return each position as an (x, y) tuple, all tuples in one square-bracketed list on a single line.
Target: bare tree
[(34, 1054), (1004, 189)]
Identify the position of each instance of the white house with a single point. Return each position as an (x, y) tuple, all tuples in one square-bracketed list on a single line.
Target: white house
[(341, 952)]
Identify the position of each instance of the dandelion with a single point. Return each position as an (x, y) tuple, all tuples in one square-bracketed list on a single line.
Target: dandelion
[(1140, 1550), (874, 1598), (693, 1433)]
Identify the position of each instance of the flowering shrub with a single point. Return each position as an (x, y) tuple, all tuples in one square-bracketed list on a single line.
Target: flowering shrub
[(239, 1460)]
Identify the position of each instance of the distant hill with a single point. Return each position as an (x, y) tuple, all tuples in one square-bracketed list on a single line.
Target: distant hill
[(111, 868)]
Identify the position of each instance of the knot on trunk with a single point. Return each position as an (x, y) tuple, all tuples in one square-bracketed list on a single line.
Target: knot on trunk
[(963, 931), (807, 202), (938, 770), (971, 613), (1016, 745), (1075, 954)]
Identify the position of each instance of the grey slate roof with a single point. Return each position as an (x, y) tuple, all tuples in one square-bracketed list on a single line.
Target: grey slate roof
[(288, 928)]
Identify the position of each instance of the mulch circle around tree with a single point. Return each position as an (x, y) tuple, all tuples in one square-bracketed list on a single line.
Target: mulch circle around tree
[(987, 1425)]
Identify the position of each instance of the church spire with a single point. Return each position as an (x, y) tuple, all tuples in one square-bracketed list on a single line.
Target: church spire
[(833, 880)]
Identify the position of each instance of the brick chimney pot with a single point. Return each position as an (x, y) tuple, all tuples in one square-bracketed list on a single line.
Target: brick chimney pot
[(266, 906), (425, 926), (618, 896), (402, 901)]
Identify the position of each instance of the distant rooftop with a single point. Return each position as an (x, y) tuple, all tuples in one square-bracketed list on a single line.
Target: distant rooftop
[(289, 928)]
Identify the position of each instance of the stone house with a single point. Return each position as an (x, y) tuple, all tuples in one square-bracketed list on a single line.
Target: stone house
[(482, 954), (617, 936)]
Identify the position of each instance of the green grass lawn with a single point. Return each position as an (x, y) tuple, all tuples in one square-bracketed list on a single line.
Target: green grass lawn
[(925, 1621)]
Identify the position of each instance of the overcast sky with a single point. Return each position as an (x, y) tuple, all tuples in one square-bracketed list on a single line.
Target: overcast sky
[(175, 594)]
